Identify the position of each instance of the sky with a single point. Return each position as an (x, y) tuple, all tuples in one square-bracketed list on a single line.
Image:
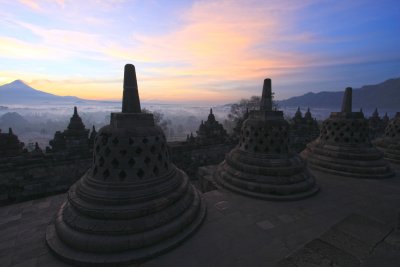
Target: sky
[(199, 51)]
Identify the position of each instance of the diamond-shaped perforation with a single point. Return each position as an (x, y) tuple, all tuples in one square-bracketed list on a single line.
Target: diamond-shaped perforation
[(107, 151), (156, 171), (131, 141), (131, 158), (122, 175), (104, 139), (346, 132), (115, 141), (131, 162), (265, 139), (106, 174), (101, 162), (140, 173), (115, 163)]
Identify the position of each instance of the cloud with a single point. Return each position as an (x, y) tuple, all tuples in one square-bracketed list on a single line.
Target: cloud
[(16, 49), (31, 4), (208, 49)]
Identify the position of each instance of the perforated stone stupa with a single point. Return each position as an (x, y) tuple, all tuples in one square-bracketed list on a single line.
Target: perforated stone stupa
[(10, 146), (390, 142), (211, 132), (133, 203), (74, 139), (262, 164), (344, 146)]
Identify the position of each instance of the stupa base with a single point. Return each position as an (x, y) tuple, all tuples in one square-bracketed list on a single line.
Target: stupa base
[(84, 258), (366, 164), (391, 155), (275, 192)]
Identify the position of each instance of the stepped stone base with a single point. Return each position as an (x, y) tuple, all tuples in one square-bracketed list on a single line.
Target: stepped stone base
[(81, 258), (87, 234), (391, 150), (356, 162), (238, 231), (266, 178)]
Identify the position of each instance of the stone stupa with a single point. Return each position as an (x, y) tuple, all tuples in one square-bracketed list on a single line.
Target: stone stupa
[(344, 147), (390, 142), (76, 135), (10, 146), (262, 165), (133, 203)]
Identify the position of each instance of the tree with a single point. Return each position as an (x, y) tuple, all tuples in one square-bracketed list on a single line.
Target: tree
[(237, 114), (159, 119)]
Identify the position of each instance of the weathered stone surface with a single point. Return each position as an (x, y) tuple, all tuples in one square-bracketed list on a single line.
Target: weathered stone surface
[(238, 231), (262, 165), (389, 144), (26, 178), (303, 130), (344, 147), (133, 203), (351, 242)]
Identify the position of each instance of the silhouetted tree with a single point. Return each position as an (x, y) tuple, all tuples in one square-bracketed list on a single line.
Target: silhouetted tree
[(237, 114)]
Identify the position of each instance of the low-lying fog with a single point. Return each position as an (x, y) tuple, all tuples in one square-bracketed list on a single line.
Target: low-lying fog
[(38, 123)]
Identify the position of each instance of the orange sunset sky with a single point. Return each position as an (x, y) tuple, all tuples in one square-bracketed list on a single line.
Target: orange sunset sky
[(198, 51)]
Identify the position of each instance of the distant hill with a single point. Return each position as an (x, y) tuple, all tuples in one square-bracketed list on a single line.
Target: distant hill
[(385, 95), (17, 92)]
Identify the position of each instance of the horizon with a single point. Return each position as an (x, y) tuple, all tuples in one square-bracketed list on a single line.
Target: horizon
[(193, 103), (190, 51)]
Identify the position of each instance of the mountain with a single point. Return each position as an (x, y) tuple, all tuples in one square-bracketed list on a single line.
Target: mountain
[(18, 92), (385, 95), (13, 120)]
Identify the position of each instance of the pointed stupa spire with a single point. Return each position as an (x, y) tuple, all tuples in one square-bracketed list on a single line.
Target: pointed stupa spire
[(375, 114), (10, 131), (347, 100), (386, 117), (211, 112), (266, 98), (75, 111), (130, 99), (298, 113), (307, 115)]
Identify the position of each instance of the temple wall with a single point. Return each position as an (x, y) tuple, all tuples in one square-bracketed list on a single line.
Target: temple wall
[(190, 157), (26, 178)]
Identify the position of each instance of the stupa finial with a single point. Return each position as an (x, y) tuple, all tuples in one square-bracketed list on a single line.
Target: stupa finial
[(347, 100), (75, 111), (266, 98), (211, 111), (130, 98)]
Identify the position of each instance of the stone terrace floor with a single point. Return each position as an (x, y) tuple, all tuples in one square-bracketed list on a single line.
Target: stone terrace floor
[(238, 231)]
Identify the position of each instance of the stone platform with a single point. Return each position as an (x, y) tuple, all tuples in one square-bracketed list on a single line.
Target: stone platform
[(238, 231)]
